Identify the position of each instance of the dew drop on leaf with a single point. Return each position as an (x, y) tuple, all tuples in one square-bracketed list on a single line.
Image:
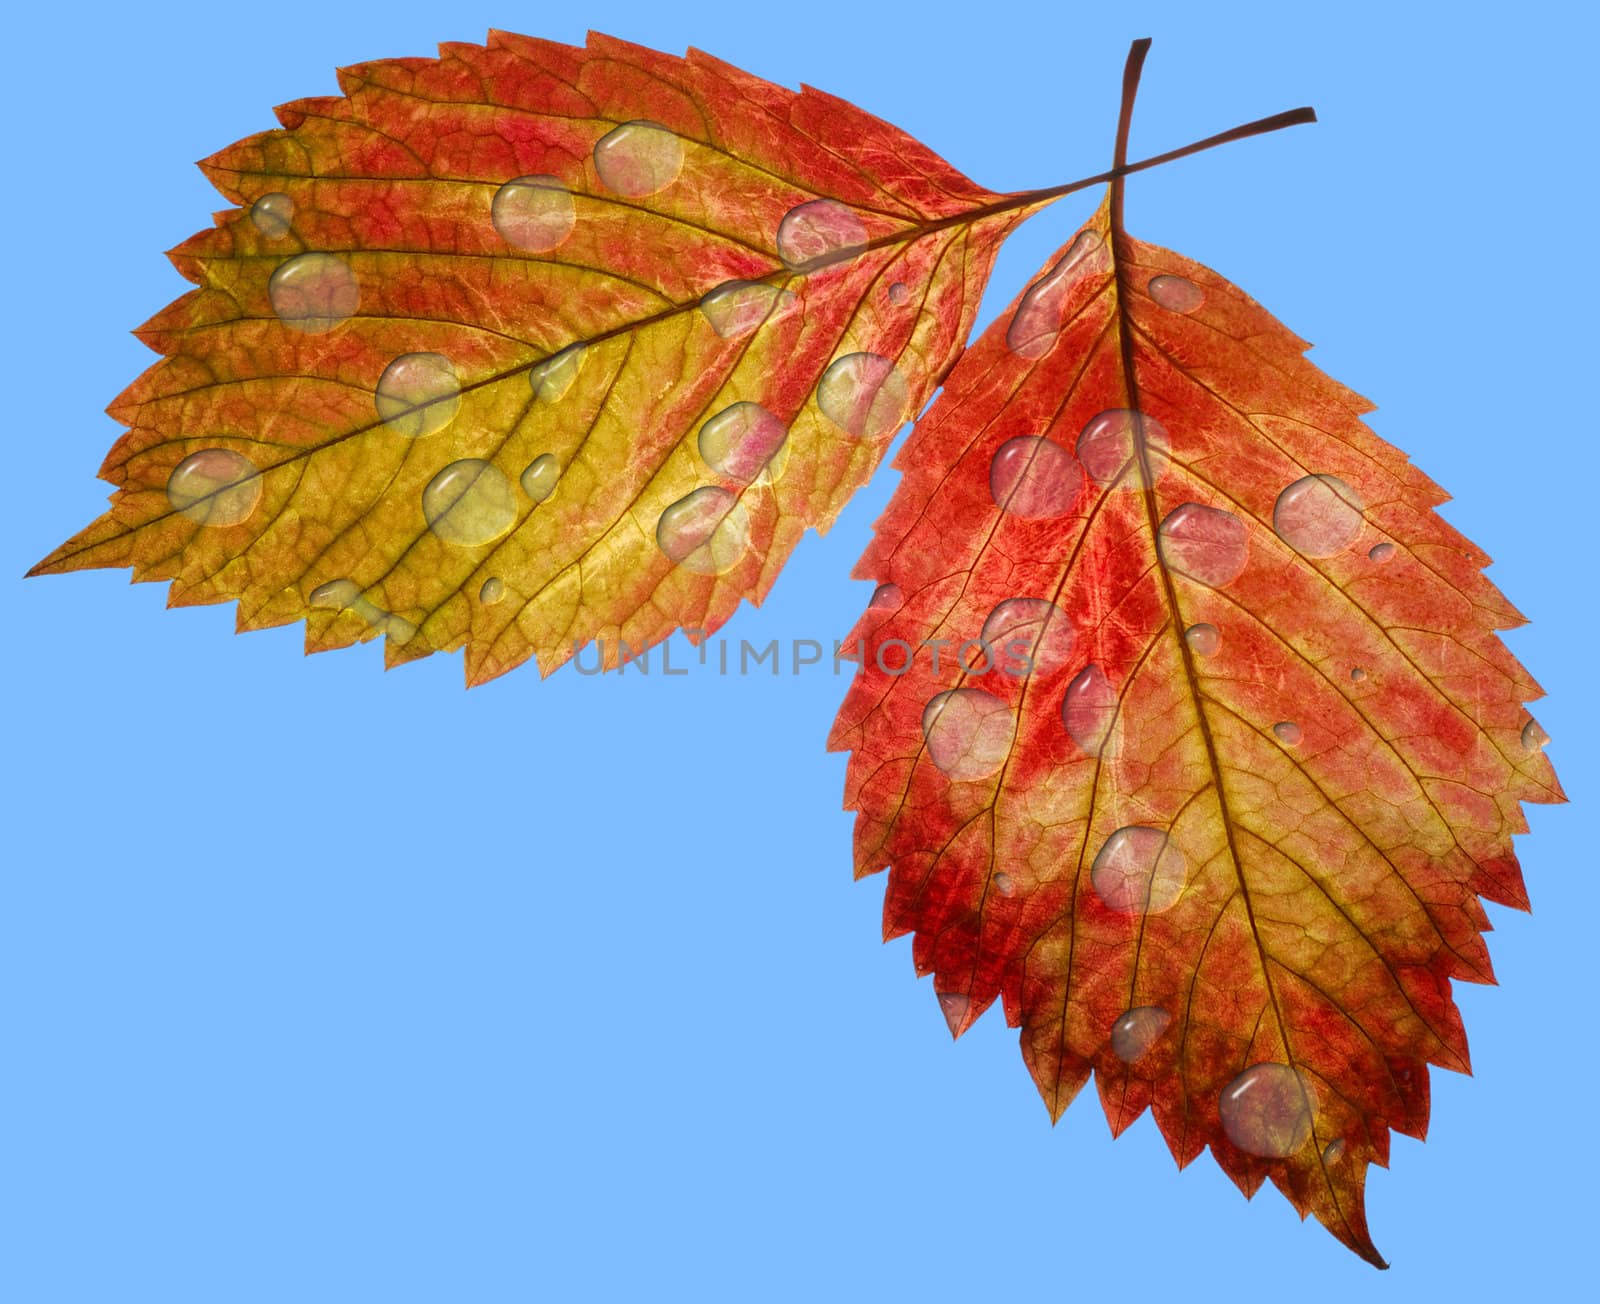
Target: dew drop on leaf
[(552, 378), (1357, 674), (273, 215), (968, 732), (1288, 732), (335, 595), (899, 295), (863, 394), (1034, 478), (1203, 639), (706, 531), (538, 478), (1139, 871), (1004, 884), (1135, 1032), (535, 213), (215, 486), (736, 308), (819, 228), (1037, 321), (638, 158), (1380, 552), (1268, 1110), (1089, 711), (1333, 1152), (955, 1006), (494, 588), (1176, 293), (886, 596), (1534, 738), (1318, 515), (469, 503), (418, 394), (741, 440), (1028, 636), (1204, 543), (313, 293), (1109, 447)]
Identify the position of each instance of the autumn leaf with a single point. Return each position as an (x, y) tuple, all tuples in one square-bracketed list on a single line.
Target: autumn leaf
[(1183, 728), (527, 346)]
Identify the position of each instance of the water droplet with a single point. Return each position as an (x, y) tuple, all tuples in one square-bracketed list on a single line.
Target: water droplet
[(1357, 674), (1028, 636), (1037, 321), (1318, 515), (1288, 733), (1089, 711), (336, 595), (1109, 448), (1203, 640), (968, 732), (1204, 543), (1380, 552), (418, 394), (215, 486), (552, 378), (1004, 884), (706, 531), (955, 1006), (1034, 478), (1137, 1031), (819, 229), (469, 503), (1139, 871), (638, 158), (273, 215), (863, 394), (1534, 738), (1176, 293), (741, 440), (313, 293), (739, 307), (494, 588), (533, 213), (346, 595), (1333, 1152), (886, 596), (538, 479), (1268, 1110), (899, 295)]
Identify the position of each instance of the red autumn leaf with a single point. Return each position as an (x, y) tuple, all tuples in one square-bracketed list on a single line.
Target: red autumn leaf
[(1222, 749), (529, 345)]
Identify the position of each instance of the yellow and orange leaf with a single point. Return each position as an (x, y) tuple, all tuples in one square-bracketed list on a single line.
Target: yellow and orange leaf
[(1182, 726), (528, 345)]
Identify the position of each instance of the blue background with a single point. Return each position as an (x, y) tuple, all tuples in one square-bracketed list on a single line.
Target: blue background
[(326, 985)]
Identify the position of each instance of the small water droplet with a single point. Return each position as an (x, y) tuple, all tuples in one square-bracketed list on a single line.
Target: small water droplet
[(1109, 448), (418, 394), (552, 378), (215, 486), (1004, 884), (1333, 1152), (1205, 543), (886, 596), (1034, 478), (469, 503), (533, 212), (1288, 733), (1268, 1110), (955, 1006), (1089, 711), (863, 394), (899, 295), (741, 440), (638, 158), (736, 308), (968, 732), (538, 478), (1318, 515), (1137, 1031), (1380, 552), (1176, 293), (336, 595), (494, 588), (273, 215), (706, 531), (1028, 636), (346, 595), (819, 229), (313, 293), (1357, 674), (1139, 871), (1037, 321), (1203, 639), (1534, 738)]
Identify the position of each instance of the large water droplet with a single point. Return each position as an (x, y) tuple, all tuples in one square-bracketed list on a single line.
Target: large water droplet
[(819, 229), (494, 588), (273, 215), (1028, 636), (313, 293), (1037, 321), (1139, 871), (1318, 515), (1034, 478), (1288, 733), (863, 394), (1205, 543), (741, 440), (418, 394), (968, 732), (638, 158), (1268, 1110), (215, 486), (533, 213), (1176, 293), (1534, 738), (1380, 552), (1089, 711), (1137, 1031), (738, 307), (1109, 448), (469, 503), (706, 531), (538, 479), (1203, 639), (552, 378)]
